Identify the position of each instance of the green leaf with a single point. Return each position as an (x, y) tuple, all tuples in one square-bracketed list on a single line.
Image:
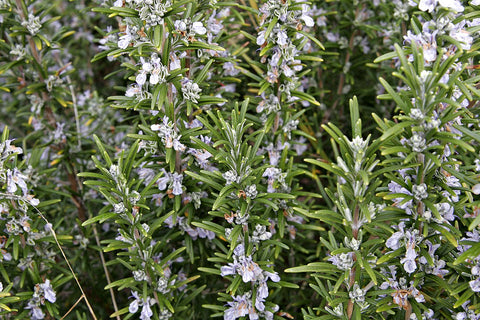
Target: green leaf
[(468, 132), (447, 233), (93, 175), (101, 217), (320, 267), (462, 144), (305, 96), (119, 312), (474, 223), (157, 36), (209, 270), (272, 24), (386, 56), (205, 179), (276, 243), (103, 152), (394, 95), (207, 225), (276, 195), (213, 307), (122, 11), (465, 296), (120, 283), (369, 270), (285, 284), (312, 38), (472, 252), (386, 307), (306, 57), (202, 75), (48, 203), (389, 256), (5, 307), (200, 45), (205, 100)]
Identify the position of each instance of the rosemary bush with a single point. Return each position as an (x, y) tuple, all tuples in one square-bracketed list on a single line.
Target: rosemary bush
[(261, 159)]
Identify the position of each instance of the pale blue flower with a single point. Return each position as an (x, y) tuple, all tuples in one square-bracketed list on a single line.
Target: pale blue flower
[(48, 291)]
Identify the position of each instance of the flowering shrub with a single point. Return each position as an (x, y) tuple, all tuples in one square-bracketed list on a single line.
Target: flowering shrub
[(177, 159)]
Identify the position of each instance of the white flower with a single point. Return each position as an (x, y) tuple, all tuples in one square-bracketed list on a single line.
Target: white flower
[(452, 4), (417, 142), (124, 41), (141, 78), (198, 28), (174, 62), (239, 307), (33, 24), (427, 5), (191, 90), (159, 74), (463, 37), (35, 312), (357, 145), (308, 20), (357, 293), (133, 90), (343, 261), (119, 207), (260, 233), (251, 191), (14, 179), (146, 66), (261, 38), (163, 181), (476, 188), (133, 307), (394, 241), (177, 184), (408, 262), (420, 191), (177, 145), (282, 37), (147, 313), (139, 275), (48, 291), (416, 114), (180, 25), (306, 12)]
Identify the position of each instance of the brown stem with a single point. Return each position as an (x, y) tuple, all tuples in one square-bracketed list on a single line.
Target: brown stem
[(351, 280), (75, 184), (420, 205), (408, 311), (355, 227), (341, 80), (276, 123), (48, 111), (341, 83)]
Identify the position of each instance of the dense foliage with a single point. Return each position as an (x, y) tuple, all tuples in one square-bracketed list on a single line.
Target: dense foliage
[(260, 159)]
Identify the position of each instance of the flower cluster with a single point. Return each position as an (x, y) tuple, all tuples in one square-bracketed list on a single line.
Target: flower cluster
[(158, 72), (168, 133), (42, 292), (403, 289)]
